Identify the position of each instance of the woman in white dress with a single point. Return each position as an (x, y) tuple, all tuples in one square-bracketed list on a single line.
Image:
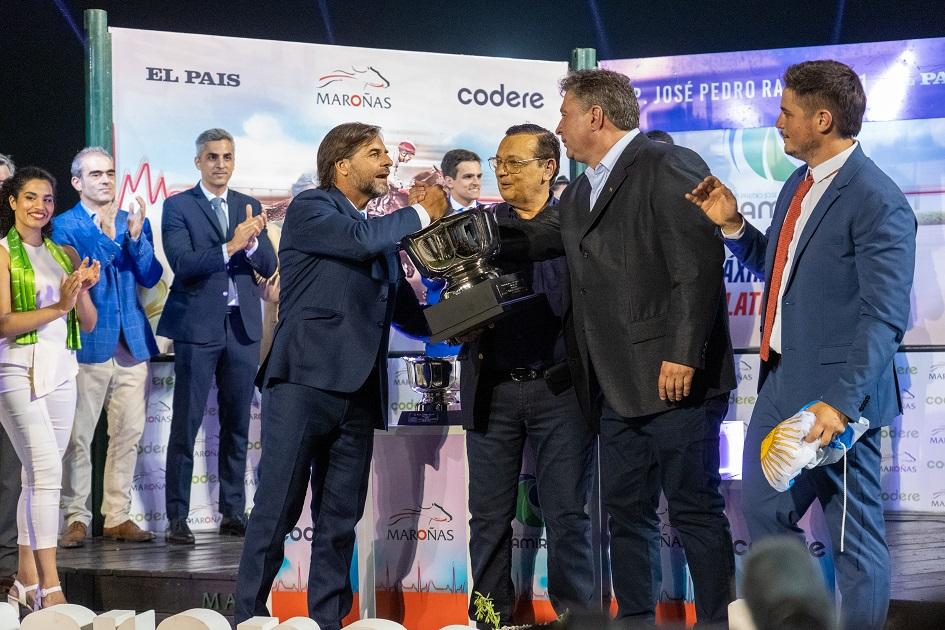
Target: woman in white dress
[(44, 302)]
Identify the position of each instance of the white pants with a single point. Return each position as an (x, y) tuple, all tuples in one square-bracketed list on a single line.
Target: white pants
[(39, 429), (120, 385)]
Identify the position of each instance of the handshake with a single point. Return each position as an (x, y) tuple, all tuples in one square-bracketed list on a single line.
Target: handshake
[(428, 192)]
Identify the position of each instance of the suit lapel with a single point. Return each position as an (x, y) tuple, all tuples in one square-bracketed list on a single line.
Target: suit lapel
[(235, 213), (613, 183), (829, 198), (204, 203), (382, 267)]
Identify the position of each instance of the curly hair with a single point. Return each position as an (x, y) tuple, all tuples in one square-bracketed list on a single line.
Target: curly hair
[(12, 188)]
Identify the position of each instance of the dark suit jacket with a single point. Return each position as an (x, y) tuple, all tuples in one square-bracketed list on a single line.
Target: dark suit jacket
[(342, 285), (846, 302), (475, 386), (646, 280), (195, 310)]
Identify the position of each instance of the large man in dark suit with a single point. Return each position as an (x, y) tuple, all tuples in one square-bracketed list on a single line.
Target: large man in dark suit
[(838, 261), (324, 382), (214, 239), (508, 400), (650, 351)]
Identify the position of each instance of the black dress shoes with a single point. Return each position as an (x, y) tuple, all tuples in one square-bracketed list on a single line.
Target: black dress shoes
[(233, 526), (178, 533)]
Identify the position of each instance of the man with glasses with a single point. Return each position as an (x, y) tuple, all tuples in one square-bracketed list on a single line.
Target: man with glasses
[(515, 384)]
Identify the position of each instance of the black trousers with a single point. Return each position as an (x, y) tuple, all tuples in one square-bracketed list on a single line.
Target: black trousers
[(676, 451), (10, 470), (563, 444), (326, 438), (234, 361)]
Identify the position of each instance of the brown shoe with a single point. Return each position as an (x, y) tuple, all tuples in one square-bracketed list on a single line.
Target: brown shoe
[(127, 531), (74, 536)]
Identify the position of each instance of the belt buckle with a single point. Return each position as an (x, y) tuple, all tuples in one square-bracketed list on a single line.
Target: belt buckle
[(520, 375)]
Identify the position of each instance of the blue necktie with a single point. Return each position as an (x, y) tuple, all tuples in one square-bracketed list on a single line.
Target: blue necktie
[(217, 204)]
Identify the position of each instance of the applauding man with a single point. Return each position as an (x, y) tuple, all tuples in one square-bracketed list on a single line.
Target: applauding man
[(113, 359), (214, 239)]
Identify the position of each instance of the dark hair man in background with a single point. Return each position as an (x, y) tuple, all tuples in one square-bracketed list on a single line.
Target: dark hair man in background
[(651, 349), (561, 182), (508, 401), (324, 383), (215, 240), (658, 135), (838, 261), (462, 173)]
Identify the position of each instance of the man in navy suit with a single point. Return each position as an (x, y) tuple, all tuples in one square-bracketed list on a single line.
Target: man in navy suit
[(214, 239), (838, 262), (324, 382)]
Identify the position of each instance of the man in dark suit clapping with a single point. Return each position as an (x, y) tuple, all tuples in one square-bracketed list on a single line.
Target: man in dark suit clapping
[(651, 354), (214, 239), (324, 382)]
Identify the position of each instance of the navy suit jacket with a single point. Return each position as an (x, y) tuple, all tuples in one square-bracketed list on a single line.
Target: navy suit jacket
[(126, 263), (341, 287), (195, 310), (846, 299)]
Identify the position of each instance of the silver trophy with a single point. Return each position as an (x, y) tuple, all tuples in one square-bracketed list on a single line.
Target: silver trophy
[(457, 249), (433, 379)]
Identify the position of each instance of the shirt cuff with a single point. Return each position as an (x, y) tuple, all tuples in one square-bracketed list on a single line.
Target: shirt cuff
[(252, 250), (226, 257), (422, 215), (737, 234)]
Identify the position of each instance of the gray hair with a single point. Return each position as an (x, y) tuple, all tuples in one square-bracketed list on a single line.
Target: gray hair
[(609, 90), (6, 161), (76, 168), (212, 135)]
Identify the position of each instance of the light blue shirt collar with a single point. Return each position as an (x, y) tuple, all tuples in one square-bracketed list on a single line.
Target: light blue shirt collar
[(598, 175), (210, 196)]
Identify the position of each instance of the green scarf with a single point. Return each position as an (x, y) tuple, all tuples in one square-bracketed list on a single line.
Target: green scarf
[(23, 285)]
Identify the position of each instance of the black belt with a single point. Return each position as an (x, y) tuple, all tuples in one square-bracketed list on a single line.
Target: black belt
[(520, 375), (230, 310)]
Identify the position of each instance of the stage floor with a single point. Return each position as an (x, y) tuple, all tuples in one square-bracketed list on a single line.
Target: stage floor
[(106, 575)]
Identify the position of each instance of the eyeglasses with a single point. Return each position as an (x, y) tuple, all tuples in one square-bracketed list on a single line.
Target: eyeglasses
[(513, 167)]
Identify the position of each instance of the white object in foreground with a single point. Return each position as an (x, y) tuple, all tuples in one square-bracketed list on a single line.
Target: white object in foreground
[(375, 624), (61, 617), (196, 619), (124, 620)]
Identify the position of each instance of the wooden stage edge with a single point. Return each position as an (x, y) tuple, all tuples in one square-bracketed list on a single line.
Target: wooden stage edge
[(106, 575)]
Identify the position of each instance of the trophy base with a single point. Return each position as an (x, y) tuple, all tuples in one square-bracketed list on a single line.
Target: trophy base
[(477, 306), (428, 418)]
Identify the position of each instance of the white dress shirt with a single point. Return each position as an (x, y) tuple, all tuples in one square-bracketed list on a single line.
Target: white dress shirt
[(233, 298), (598, 175), (823, 175)]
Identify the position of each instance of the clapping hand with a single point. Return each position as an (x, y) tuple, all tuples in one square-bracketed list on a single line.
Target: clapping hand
[(88, 274), (244, 236), (136, 218)]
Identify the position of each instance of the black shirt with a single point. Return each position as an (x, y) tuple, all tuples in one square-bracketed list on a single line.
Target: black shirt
[(532, 337)]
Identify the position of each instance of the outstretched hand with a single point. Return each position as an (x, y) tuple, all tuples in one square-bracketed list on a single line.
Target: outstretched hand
[(718, 203)]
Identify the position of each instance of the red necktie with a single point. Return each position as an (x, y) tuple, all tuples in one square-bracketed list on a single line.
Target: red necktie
[(780, 261)]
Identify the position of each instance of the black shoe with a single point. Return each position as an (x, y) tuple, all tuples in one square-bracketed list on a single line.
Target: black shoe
[(178, 533), (233, 526)]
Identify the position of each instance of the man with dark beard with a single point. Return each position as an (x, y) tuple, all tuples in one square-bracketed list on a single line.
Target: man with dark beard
[(324, 383)]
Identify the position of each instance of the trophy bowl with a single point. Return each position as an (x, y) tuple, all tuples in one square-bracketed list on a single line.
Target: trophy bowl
[(457, 249), (433, 379)]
